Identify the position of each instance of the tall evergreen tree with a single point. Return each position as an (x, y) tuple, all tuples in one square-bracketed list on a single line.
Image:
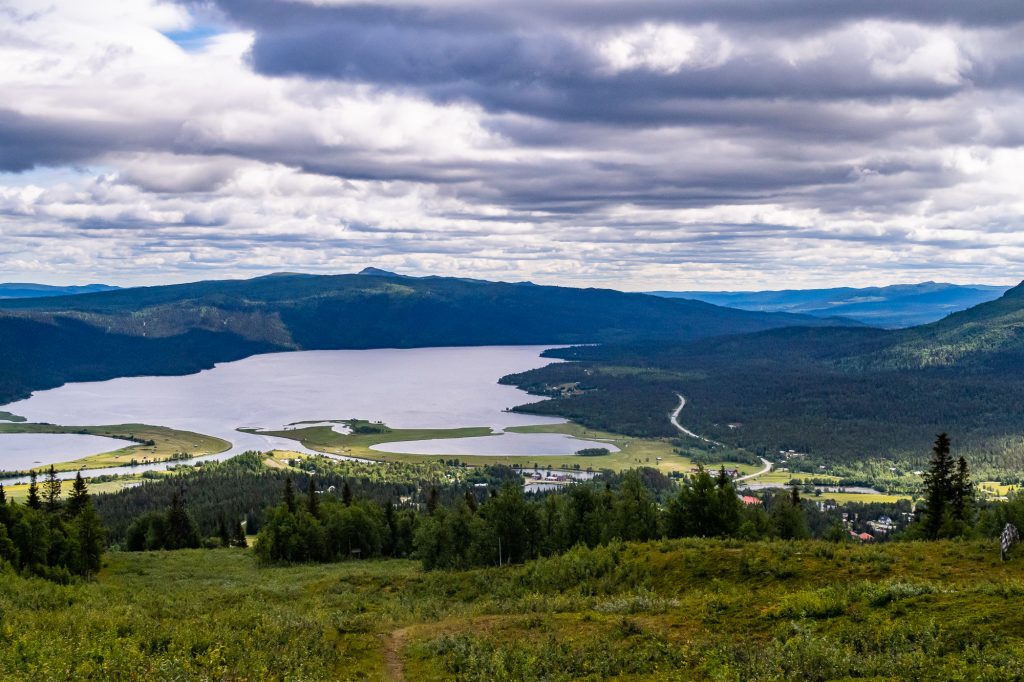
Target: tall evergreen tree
[(938, 487), (89, 539), (346, 494), (787, 515), (962, 492), (238, 537), (181, 530), (79, 496), (222, 533), (52, 490), (312, 503), (33, 500), (433, 501), (3, 495), (289, 495)]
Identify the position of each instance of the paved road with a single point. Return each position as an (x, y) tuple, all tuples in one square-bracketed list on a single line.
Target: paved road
[(674, 418)]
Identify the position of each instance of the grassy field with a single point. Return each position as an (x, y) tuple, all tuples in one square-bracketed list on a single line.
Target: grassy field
[(8, 417), (166, 443), (18, 493), (674, 610), (633, 452)]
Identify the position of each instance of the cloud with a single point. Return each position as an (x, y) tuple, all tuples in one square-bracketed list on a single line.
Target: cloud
[(641, 145)]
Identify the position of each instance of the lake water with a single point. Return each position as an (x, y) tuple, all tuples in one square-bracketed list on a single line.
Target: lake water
[(404, 388), (510, 444), (20, 451)]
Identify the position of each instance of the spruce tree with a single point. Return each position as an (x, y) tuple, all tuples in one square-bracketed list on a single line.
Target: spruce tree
[(346, 494), (222, 532), (3, 495), (181, 530), (289, 495), (52, 490), (89, 540), (33, 500), (432, 500), (787, 515), (938, 487), (962, 493), (79, 496), (312, 503), (238, 538)]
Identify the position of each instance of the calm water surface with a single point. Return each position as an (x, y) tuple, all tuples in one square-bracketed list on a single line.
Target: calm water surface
[(20, 451), (405, 388)]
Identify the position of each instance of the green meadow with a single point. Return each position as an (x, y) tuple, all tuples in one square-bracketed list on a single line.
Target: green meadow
[(669, 610)]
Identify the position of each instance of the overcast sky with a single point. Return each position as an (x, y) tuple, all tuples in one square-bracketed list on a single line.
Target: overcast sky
[(641, 144)]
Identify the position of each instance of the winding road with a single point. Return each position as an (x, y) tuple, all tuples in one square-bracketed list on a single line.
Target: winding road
[(674, 418)]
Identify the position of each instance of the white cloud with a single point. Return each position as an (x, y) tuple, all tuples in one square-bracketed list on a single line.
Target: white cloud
[(196, 165)]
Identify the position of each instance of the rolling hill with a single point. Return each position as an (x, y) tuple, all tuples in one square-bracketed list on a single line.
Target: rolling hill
[(183, 328), (26, 290), (897, 306)]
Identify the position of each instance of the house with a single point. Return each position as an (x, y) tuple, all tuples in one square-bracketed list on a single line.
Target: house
[(750, 500)]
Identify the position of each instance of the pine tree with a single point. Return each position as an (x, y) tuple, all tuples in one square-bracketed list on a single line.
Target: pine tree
[(181, 530), (33, 500), (346, 494), (312, 503), (938, 487), (962, 492), (52, 490), (79, 496), (787, 515), (3, 495), (727, 505), (89, 539), (222, 532), (289, 495), (238, 537), (470, 501)]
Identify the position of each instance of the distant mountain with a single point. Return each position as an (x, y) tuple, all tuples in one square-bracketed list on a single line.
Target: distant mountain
[(24, 290), (185, 327), (901, 305)]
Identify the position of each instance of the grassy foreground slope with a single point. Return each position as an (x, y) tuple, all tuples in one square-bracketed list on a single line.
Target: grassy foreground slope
[(683, 610)]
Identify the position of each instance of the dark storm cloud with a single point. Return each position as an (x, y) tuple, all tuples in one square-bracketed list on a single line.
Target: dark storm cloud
[(545, 65)]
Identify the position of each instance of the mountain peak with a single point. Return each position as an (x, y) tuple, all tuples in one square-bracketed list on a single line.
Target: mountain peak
[(377, 272)]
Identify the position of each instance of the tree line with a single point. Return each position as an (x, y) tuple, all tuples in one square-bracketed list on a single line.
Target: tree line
[(48, 536), (508, 526)]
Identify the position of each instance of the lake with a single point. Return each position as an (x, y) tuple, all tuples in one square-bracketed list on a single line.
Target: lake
[(404, 388), (20, 451)]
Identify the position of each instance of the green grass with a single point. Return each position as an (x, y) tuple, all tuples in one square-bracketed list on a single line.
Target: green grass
[(18, 493), (672, 610), (633, 451), (167, 443), (9, 417)]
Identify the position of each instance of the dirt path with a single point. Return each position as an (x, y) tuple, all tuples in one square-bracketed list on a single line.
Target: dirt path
[(394, 668)]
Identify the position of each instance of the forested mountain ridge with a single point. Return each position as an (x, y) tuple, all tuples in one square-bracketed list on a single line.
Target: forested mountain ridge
[(28, 290), (183, 328), (895, 306), (844, 395), (989, 334)]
